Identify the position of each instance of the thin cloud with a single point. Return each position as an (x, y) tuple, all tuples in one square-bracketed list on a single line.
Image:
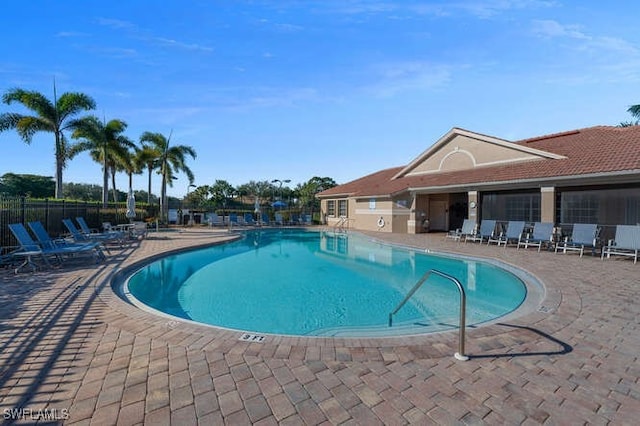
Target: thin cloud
[(133, 31), (409, 76), (187, 46), (71, 34), (550, 29)]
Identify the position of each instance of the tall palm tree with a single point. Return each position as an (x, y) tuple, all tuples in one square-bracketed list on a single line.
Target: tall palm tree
[(172, 161), (55, 117), (106, 145), (148, 157)]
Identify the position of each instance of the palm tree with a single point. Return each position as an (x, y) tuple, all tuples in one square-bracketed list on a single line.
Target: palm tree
[(634, 110), (171, 161), (148, 157), (54, 117), (106, 145)]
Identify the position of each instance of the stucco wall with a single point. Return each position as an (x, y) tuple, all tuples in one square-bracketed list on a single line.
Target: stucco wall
[(463, 152)]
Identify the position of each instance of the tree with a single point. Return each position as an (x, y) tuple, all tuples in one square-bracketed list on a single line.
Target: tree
[(221, 191), (308, 191), (54, 117), (105, 144), (172, 160), (148, 157), (29, 185), (634, 110)]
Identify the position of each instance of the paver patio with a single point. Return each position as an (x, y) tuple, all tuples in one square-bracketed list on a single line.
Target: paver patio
[(72, 350)]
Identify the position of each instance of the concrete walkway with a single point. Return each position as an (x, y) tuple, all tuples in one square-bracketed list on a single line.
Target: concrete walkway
[(73, 351)]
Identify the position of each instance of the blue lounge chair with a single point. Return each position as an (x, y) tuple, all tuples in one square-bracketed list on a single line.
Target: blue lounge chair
[(486, 231), (214, 220), (278, 219), (582, 236), (542, 234), (45, 240), (306, 220), (264, 219), (248, 220), (30, 249), (626, 242), (80, 237), (514, 231), (233, 220), (88, 231)]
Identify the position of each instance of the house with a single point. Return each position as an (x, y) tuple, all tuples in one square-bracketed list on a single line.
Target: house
[(589, 175)]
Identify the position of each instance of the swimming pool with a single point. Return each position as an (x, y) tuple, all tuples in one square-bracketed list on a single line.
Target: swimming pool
[(310, 283)]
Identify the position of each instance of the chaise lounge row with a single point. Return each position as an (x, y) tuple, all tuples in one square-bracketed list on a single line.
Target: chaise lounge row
[(582, 236)]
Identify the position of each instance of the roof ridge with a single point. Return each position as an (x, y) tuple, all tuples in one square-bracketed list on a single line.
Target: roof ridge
[(563, 133)]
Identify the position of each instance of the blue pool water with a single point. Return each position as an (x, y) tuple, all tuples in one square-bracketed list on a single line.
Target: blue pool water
[(300, 282)]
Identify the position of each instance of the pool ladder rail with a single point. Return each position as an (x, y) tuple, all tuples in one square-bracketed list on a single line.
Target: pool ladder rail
[(463, 306)]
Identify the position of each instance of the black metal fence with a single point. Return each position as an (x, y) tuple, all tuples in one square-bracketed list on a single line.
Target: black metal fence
[(51, 212)]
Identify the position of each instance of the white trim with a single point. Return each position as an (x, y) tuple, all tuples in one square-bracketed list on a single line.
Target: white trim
[(490, 163), (555, 179), (482, 138), (548, 189), (457, 151)]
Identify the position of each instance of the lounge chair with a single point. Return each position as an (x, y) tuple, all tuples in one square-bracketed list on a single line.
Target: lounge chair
[(278, 219), (233, 220), (542, 234), (583, 235), (264, 219), (138, 230), (30, 249), (486, 231), (86, 230), (306, 220), (248, 220), (80, 237), (294, 219), (45, 240), (214, 220), (514, 231), (626, 242), (468, 229)]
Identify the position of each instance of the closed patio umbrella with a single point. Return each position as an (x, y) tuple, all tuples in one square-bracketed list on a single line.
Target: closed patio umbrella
[(131, 205), (256, 206)]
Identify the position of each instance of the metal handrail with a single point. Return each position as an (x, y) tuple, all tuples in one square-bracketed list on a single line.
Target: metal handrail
[(463, 306), (340, 224)]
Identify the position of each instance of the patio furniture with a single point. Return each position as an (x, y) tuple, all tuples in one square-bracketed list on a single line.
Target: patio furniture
[(626, 242), (45, 240), (81, 237), (468, 229), (486, 231), (542, 234), (582, 235), (514, 231)]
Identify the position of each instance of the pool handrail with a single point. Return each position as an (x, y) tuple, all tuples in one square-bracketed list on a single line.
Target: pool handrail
[(463, 307)]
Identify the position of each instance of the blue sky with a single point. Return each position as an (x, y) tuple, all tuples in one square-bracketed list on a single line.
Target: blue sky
[(341, 88)]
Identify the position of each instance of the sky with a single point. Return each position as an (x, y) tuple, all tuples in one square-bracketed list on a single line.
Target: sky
[(287, 89)]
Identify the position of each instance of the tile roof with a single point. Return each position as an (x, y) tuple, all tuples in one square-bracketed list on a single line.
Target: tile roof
[(588, 151)]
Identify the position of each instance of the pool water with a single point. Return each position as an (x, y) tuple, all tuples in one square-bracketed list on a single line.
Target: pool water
[(298, 282)]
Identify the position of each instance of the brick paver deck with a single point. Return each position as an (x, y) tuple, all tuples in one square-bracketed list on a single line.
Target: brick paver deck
[(72, 349)]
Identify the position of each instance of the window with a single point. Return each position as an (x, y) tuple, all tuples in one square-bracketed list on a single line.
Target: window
[(511, 206), (331, 208), (342, 208), (601, 206), (372, 203)]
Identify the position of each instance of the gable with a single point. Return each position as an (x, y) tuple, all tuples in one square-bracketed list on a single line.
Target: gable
[(463, 150)]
